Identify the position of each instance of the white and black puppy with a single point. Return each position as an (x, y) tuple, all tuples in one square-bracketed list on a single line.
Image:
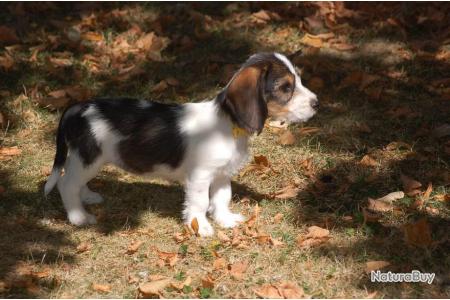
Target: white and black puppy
[(199, 144)]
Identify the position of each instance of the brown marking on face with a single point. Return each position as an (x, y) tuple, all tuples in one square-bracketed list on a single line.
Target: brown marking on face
[(277, 110)]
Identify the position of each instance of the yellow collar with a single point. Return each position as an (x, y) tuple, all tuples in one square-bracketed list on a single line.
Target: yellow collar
[(238, 131)]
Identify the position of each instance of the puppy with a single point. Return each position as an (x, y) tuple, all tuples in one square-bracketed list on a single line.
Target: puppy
[(199, 144)]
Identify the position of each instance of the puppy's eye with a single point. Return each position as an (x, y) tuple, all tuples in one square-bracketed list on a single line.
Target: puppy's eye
[(286, 88)]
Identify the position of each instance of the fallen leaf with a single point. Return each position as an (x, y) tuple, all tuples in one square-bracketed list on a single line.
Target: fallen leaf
[(92, 36), (262, 16), (371, 295), (442, 197), (133, 247), (411, 187), (6, 62), (432, 210), (368, 161), (316, 236), (263, 238), (370, 217), (208, 281), (219, 263), (427, 193), (379, 206), (268, 291), (104, 288), (160, 87), (42, 274), (223, 237), (261, 160), (289, 191), (397, 145), (287, 138), (172, 81), (83, 247), (290, 290), (238, 269), (169, 258), (61, 62), (418, 233), (376, 265), (317, 232), (194, 225), (9, 151), (180, 285), (308, 130), (312, 41), (153, 288)]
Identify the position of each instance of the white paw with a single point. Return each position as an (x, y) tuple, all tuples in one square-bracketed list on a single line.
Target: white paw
[(80, 218), (204, 228), (92, 198), (228, 219)]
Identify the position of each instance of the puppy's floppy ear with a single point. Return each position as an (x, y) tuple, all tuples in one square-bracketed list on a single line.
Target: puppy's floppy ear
[(243, 98)]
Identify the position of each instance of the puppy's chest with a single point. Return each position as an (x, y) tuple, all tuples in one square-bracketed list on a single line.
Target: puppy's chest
[(237, 159)]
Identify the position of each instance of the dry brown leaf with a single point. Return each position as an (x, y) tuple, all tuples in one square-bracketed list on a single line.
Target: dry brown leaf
[(278, 218), (268, 291), (83, 247), (261, 160), (418, 233), (6, 62), (160, 87), (317, 232), (310, 40), (308, 130), (42, 274), (155, 277), (9, 151), (172, 81), (169, 258), (208, 281), (371, 295), (368, 161), (442, 197), (60, 62), (287, 138), (194, 225), (411, 187), (104, 288), (376, 265), (263, 238), (219, 263), (342, 46), (379, 206), (262, 16), (153, 288), (238, 269), (223, 237), (397, 145), (290, 290), (133, 247), (180, 285), (427, 193), (92, 36), (289, 191)]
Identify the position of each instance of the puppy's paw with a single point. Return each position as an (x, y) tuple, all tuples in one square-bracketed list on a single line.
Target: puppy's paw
[(204, 228), (91, 198), (80, 218), (228, 219)]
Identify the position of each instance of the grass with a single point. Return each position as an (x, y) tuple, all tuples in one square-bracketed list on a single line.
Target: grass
[(35, 234)]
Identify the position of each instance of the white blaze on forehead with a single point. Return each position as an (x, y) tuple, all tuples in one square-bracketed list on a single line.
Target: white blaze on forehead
[(286, 61)]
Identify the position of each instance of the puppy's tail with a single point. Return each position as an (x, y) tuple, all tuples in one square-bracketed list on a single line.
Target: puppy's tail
[(60, 158)]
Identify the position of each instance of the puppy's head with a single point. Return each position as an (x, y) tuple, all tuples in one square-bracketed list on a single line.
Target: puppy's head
[(267, 85)]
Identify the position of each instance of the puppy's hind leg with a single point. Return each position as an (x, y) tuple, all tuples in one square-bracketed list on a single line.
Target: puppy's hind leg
[(70, 187)]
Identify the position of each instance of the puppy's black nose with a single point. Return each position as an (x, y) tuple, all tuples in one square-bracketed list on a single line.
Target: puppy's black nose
[(315, 103)]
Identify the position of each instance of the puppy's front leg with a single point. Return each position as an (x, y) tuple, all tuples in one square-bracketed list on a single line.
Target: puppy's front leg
[(197, 201), (220, 200)]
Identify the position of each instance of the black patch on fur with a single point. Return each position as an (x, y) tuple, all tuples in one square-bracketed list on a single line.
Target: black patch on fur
[(78, 134), (151, 132)]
